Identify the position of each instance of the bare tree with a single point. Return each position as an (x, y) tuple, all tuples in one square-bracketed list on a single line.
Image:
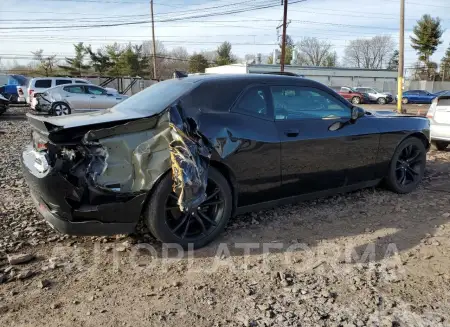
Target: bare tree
[(369, 53), (313, 52), (45, 64)]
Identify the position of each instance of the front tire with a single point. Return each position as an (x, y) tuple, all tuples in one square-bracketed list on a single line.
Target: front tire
[(381, 100), (407, 166), (356, 100), (440, 145), (168, 224), (60, 109), (405, 100)]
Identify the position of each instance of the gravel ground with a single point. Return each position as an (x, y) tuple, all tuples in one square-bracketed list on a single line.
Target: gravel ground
[(369, 258)]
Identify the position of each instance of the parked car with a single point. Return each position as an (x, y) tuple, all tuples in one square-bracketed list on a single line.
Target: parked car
[(186, 154), (38, 85), (417, 96), (351, 94), (376, 95), (11, 85), (4, 104), (439, 116), (72, 98)]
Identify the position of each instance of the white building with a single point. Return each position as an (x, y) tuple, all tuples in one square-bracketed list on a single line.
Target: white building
[(382, 79)]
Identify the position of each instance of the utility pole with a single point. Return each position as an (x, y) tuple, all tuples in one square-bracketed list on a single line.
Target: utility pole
[(401, 58), (283, 41), (153, 40)]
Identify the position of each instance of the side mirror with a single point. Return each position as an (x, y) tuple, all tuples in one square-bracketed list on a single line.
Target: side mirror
[(357, 113), (349, 91)]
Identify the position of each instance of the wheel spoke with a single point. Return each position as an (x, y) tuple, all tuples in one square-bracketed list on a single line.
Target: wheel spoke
[(187, 226), (200, 221), (216, 191), (205, 217), (414, 159), (411, 171), (205, 204), (183, 221), (402, 178)]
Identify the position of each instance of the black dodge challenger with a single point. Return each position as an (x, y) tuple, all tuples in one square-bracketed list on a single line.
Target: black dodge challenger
[(186, 154)]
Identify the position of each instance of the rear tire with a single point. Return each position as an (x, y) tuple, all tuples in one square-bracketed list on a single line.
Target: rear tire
[(407, 166), (159, 217), (356, 100), (381, 100), (440, 145)]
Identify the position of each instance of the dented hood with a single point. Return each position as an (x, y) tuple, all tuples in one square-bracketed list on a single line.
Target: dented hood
[(97, 117)]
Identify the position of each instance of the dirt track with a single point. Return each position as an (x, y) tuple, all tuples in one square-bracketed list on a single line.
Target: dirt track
[(370, 258)]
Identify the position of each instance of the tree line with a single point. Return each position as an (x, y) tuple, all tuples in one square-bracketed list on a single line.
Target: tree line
[(131, 60)]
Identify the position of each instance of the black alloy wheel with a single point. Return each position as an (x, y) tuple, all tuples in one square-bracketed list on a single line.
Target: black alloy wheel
[(198, 222), (198, 226), (407, 166)]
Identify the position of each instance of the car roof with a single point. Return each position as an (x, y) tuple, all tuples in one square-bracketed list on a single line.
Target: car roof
[(67, 78), (252, 78)]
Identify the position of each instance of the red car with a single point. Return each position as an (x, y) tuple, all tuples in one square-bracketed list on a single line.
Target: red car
[(351, 95)]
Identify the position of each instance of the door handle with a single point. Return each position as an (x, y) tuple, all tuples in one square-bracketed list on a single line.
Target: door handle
[(92, 97), (292, 132)]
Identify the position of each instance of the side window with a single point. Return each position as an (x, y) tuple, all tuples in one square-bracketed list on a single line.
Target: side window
[(82, 82), (345, 89), (254, 102), (292, 103), (74, 89), (95, 90), (63, 81), (43, 83)]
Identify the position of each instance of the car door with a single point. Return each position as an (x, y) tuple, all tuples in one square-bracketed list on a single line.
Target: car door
[(412, 96), (98, 98), (76, 97), (249, 132), (315, 156)]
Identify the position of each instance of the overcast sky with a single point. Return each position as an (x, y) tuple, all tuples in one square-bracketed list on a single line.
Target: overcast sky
[(249, 32)]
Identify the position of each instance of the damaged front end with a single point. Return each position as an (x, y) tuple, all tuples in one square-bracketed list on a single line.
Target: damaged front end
[(93, 179), (190, 153)]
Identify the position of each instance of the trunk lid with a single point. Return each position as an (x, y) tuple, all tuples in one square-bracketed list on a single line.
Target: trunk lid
[(71, 128)]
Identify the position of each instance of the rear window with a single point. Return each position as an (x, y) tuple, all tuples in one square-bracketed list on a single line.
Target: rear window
[(43, 83), (63, 81), (155, 98), (216, 95)]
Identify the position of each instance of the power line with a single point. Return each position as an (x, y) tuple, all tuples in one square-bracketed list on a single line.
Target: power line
[(233, 11)]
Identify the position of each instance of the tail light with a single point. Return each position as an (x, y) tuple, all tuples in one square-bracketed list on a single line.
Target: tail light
[(30, 92), (39, 143), (432, 109)]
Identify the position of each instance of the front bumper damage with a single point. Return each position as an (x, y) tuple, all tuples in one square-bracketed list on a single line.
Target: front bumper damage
[(95, 181)]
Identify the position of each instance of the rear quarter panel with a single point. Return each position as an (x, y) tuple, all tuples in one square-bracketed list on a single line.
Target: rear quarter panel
[(393, 130)]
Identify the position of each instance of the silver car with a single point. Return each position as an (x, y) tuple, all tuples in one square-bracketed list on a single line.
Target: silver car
[(376, 95), (439, 116), (73, 98)]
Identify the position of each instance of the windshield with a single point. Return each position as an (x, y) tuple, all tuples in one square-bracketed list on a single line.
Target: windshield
[(155, 98)]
